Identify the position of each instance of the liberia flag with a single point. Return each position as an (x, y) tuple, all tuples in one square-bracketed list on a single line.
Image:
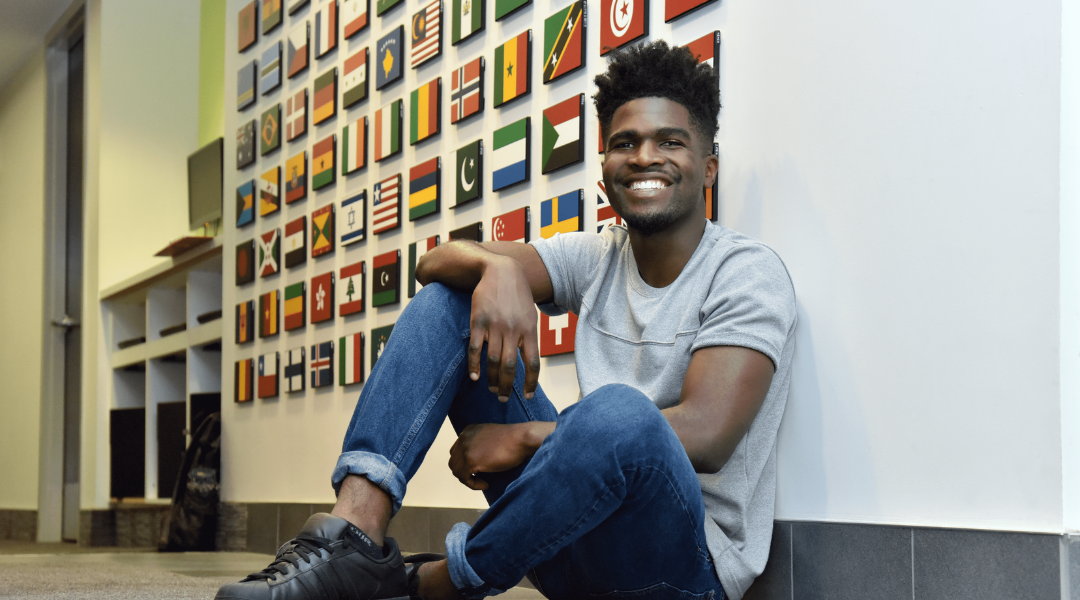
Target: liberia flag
[(294, 370), (557, 334), (424, 188), (354, 83), (354, 146), (605, 214), (426, 33), (351, 359), (296, 241), (424, 111), (296, 52), (467, 90), (296, 115), (512, 226), (322, 297), (351, 290), (242, 380), (386, 208), (388, 130), (416, 250), (322, 367), (294, 306), (354, 16), (268, 373)]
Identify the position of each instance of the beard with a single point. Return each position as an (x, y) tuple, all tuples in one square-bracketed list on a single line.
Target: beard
[(659, 220)]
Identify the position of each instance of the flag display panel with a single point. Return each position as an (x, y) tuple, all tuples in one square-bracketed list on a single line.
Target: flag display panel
[(564, 41)]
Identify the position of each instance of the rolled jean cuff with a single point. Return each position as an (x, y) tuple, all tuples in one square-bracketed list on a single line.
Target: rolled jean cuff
[(378, 470), (464, 577)]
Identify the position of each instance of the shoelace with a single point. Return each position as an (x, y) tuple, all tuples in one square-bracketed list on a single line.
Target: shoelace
[(301, 549)]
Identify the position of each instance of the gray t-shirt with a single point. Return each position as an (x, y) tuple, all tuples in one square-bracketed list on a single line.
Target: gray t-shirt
[(734, 291)]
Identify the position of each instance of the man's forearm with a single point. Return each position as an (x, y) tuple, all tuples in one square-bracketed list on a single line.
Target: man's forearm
[(459, 264)]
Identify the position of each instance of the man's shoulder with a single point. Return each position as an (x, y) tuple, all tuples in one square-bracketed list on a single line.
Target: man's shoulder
[(740, 256)]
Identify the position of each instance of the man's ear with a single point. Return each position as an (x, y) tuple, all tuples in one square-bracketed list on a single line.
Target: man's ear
[(712, 167)]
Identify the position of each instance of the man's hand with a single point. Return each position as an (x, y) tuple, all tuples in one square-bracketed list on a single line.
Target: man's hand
[(493, 447), (504, 316)]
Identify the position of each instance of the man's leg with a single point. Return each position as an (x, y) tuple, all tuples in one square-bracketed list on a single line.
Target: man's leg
[(419, 379), (610, 503)]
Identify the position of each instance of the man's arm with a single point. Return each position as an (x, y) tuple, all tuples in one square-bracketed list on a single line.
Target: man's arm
[(506, 280), (722, 391)]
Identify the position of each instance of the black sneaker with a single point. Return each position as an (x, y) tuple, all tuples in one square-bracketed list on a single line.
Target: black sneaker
[(329, 559)]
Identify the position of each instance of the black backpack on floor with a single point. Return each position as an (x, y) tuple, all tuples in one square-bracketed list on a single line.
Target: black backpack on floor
[(193, 518)]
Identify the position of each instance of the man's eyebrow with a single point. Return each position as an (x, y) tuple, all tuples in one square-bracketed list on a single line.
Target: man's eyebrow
[(663, 132)]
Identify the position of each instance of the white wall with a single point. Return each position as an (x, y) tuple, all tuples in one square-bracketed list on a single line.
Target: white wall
[(902, 158), (1070, 263), (142, 123), (22, 222)]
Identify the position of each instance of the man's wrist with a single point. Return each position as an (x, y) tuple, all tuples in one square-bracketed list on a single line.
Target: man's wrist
[(535, 432)]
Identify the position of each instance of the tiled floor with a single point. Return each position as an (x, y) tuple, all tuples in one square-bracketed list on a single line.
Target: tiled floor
[(66, 571)]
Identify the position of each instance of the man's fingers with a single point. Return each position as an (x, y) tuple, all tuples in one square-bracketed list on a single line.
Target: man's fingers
[(530, 355), (494, 351), (476, 344), (507, 369)]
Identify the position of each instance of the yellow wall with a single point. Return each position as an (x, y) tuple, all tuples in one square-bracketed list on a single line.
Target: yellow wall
[(22, 221)]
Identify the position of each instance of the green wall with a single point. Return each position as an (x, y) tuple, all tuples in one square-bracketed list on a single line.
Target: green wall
[(211, 71)]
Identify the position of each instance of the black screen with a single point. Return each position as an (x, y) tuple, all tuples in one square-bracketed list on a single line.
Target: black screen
[(205, 183)]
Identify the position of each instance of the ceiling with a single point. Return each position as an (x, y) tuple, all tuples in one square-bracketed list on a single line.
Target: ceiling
[(23, 25)]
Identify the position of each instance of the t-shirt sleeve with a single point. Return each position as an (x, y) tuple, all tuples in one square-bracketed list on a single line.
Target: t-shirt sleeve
[(571, 260), (751, 303)]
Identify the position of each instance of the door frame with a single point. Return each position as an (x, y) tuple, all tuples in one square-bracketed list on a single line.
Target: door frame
[(51, 441)]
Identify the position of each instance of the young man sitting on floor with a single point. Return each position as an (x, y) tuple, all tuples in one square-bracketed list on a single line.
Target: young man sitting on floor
[(660, 481)]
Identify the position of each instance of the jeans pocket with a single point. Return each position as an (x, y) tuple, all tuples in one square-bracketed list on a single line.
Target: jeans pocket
[(660, 591)]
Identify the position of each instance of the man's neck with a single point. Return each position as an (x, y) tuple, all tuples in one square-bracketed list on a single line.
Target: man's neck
[(661, 256)]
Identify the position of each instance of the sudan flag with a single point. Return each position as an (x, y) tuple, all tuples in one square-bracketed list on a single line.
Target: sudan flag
[(294, 306), (424, 188), (512, 68), (564, 134), (322, 162), (385, 277), (564, 46)]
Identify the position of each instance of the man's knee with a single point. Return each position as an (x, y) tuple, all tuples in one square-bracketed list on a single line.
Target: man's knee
[(617, 415), (436, 297)]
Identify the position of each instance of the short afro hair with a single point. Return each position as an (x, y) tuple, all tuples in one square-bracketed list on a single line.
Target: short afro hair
[(658, 70)]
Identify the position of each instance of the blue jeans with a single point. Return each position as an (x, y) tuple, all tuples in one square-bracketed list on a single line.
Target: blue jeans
[(608, 506)]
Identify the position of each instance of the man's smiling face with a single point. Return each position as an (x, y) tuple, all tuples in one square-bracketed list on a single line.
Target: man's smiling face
[(655, 166)]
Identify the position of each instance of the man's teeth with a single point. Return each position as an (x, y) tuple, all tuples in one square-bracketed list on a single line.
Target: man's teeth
[(648, 184)]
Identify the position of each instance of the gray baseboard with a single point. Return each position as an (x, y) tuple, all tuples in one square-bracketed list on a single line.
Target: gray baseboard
[(129, 526), (810, 561), (20, 525), (807, 560)]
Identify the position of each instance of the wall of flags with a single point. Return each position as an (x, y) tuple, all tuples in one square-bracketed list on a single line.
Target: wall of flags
[(377, 172)]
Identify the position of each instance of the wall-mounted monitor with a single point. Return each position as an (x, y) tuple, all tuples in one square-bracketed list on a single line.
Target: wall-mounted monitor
[(205, 183)]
